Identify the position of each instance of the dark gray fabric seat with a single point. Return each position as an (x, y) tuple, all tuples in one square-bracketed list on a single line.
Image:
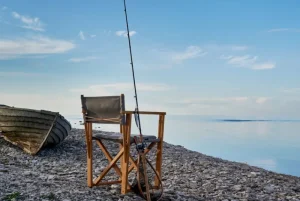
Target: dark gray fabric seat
[(118, 137)]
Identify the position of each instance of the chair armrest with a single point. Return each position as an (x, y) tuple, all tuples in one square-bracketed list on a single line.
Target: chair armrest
[(144, 112)]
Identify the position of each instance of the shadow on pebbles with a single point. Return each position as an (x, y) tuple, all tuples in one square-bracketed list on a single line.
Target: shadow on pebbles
[(59, 173)]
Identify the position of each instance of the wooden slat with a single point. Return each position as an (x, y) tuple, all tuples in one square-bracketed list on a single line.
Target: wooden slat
[(59, 131), (144, 112), (5, 118), (14, 112), (108, 183), (24, 129)]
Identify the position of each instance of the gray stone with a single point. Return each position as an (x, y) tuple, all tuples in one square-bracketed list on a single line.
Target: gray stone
[(237, 187), (269, 189)]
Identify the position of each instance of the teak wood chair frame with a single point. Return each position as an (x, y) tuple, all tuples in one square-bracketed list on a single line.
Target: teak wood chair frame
[(123, 118)]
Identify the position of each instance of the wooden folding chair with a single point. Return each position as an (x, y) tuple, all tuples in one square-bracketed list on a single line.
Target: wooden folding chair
[(111, 110)]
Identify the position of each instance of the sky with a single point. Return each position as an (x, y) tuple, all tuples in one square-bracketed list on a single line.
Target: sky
[(208, 58)]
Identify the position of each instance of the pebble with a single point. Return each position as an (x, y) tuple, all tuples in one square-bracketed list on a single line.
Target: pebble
[(237, 187), (59, 173)]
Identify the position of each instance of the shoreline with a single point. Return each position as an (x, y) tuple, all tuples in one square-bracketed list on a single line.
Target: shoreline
[(60, 173)]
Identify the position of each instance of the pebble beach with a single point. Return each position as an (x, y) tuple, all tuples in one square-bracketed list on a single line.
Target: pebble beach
[(59, 173)]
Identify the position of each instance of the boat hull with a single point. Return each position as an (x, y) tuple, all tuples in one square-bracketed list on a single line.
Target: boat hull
[(31, 130)]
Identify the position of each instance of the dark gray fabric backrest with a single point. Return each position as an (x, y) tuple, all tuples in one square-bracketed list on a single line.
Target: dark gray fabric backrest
[(104, 107)]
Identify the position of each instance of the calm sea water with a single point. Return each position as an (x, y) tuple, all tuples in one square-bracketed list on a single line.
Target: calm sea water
[(273, 145)]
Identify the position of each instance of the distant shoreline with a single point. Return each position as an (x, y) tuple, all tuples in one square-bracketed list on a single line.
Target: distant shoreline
[(254, 120), (214, 119)]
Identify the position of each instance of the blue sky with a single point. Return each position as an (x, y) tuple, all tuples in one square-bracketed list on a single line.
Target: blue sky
[(233, 58)]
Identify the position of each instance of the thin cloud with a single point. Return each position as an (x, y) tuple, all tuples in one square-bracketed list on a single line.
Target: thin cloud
[(215, 100), (29, 22), (4, 21), (121, 33), (10, 49), (61, 103), (167, 58), (4, 8), (93, 36), (248, 61), (283, 30), (222, 103), (218, 47), (278, 30), (124, 33), (81, 35), (191, 52), (263, 66), (118, 88), (107, 32), (290, 90), (82, 59), (261, 100), (242, 60), (239, 48), (18, 74)]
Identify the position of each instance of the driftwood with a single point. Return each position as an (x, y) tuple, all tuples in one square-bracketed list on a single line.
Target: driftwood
[(32, 130)]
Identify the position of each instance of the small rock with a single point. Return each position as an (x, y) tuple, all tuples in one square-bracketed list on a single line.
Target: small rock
[(51, 177), (27, 173), (237, 187), (115, 186), (269, 189)]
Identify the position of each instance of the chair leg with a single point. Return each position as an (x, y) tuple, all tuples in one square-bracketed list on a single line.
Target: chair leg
[(124, 168), (125, 159), (120, 147), (88, 130), (159, 148)]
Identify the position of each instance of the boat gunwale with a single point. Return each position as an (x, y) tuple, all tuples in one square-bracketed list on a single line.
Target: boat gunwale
[(28, 109), (52, 115)]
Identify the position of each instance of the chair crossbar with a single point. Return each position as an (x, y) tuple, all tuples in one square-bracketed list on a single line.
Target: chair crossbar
[(108, 156), (108, 183), (110, 159), (116, 120), (113, 162)]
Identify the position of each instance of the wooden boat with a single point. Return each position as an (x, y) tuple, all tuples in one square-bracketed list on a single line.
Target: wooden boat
[(31, 130)]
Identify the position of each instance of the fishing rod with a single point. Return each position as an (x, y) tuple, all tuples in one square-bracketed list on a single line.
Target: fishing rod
[(140, 145)]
